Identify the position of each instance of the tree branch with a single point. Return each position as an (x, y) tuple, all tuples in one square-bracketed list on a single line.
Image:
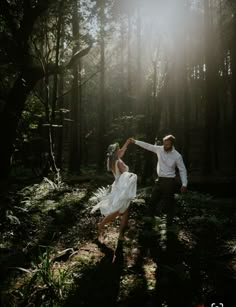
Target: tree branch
[(80, 85), (77, 55), (53, 69), (41, 71)]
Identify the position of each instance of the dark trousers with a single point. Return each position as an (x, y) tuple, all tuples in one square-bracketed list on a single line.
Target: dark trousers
[(162, 200)]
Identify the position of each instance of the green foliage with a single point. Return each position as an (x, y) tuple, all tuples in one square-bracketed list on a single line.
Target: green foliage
[(14, 220), (33, 112), (48, 284), (193, 198)]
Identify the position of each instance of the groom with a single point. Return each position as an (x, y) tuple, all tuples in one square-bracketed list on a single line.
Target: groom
[(168, 159)]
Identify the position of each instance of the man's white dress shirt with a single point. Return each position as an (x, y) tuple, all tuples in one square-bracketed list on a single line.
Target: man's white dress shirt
[(167, 161)]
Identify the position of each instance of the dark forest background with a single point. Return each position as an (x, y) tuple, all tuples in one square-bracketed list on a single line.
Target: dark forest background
[(77, 75)]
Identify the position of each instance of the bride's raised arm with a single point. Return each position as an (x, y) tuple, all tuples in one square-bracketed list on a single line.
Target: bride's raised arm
[(122, 150)]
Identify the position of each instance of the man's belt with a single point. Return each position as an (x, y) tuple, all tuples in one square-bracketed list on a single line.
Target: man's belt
[(165, 178)]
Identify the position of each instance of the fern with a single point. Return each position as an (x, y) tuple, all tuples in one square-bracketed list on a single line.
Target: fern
[(100, 194), (12, 218)]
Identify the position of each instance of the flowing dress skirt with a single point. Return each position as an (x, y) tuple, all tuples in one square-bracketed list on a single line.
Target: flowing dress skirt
[(123, 190)]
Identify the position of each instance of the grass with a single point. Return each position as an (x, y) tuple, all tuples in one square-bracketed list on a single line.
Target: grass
[(47, 284)]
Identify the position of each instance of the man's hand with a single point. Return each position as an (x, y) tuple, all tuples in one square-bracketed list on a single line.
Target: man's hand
[(132, 140), (183, 189)]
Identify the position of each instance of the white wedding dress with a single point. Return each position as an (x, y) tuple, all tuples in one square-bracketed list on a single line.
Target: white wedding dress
[(118, 197)]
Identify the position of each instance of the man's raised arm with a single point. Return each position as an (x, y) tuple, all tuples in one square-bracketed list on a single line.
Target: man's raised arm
[(150, 147)]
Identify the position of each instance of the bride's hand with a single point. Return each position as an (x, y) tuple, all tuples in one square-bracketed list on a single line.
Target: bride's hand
[(131, 140), (127, 141)]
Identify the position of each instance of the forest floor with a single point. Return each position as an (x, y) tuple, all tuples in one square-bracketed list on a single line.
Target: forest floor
[(50, 256)]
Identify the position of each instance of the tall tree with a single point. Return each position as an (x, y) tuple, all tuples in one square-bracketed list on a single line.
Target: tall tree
[(211, 154), (76, 96), (233, 80), (102, 98)]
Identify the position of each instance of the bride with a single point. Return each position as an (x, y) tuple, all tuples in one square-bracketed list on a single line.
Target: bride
[(116, 202)]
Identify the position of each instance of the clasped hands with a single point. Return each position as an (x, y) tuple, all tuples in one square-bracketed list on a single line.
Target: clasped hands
[(130, 140)]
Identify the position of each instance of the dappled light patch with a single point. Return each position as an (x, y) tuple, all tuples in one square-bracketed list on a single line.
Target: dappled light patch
[(150, 268)]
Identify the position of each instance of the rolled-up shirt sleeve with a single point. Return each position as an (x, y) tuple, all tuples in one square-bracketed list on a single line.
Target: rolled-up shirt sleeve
[(182, 171), (150, 147)]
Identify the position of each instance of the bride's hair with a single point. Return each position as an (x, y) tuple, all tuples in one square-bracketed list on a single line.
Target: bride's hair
[(111, 155)]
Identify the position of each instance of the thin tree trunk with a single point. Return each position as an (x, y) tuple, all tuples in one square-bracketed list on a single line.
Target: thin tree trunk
[(55, 88), (139, 49), (75, 154), (60, 134), (122, 65), (129, 66), (52, 162), (102, 106), (153, 120), (211, 154), (233, 81), (55, 76)]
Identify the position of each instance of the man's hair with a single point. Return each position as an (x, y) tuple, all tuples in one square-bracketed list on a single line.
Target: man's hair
[(169, 137)]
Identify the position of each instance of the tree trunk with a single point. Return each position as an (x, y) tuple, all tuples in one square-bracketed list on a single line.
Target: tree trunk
[(55, 102), (139, 49), (123, 105), (60, 134), (129, 65), (11, 114), (75, 154), (52, 163), (55, 76), (153, 116), (211, 126), (233, 80), (102, 105)]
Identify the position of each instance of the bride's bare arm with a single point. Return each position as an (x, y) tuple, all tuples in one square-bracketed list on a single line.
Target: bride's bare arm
[(121, 166), (121, 151)]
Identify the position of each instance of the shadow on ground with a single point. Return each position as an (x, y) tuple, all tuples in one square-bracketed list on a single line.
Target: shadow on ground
[(99, 285)]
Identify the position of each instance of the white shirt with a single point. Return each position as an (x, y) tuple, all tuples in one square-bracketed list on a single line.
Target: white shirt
[(167, 161)]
